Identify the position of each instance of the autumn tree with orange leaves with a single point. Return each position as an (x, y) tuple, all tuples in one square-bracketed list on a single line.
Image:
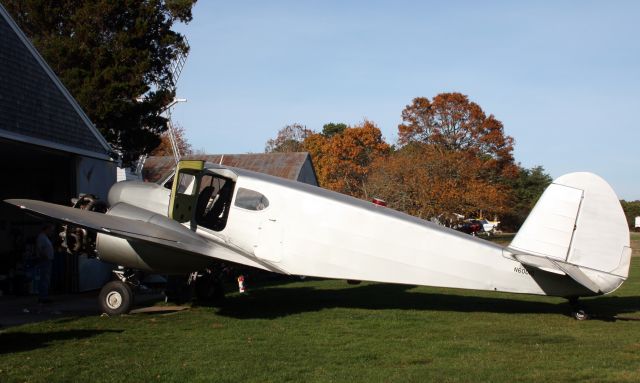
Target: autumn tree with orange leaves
[(165, 148), (451, 122), (427, 181), (343, 158), (451, 158)]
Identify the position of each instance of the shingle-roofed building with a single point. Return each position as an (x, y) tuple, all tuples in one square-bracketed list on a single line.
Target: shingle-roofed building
[(49, 150), (293, 166), (36, 107)]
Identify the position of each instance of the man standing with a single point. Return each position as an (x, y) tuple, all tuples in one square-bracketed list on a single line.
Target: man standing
[(44, 251)]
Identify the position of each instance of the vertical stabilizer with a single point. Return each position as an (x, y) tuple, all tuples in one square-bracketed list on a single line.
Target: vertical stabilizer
[(579, 222)]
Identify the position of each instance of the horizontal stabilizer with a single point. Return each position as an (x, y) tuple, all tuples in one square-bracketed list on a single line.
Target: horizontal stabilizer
[(539, 262), (554, 266), (576, 273)]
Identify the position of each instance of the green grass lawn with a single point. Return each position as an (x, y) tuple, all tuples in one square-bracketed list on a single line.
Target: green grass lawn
[(330, 331), (635, 243)]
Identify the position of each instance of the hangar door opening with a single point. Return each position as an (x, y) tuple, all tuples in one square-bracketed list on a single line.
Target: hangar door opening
[(32, 172)]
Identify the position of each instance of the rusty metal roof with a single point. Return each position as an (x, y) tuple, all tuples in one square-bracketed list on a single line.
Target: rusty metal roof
[(285, 165)]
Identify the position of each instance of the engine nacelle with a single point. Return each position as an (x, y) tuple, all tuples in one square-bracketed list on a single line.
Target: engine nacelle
[(144, 255), (78, 240)]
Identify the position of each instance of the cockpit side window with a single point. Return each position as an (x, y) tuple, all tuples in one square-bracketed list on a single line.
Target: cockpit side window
[(186, 183), (214, 200), (251, 200)]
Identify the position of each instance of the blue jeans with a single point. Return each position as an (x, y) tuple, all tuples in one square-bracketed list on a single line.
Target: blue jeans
[(44, 269)]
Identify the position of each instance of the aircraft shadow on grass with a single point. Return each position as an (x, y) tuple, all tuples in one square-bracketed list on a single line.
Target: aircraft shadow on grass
[(25, 341), (277, 302)]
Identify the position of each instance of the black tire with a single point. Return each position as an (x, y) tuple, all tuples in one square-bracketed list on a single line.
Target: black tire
[(116, 298), (209, 289), (177, 290), (580, 315)]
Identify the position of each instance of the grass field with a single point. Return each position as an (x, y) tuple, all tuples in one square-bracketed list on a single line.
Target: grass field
[(635, 243), (330, 331)]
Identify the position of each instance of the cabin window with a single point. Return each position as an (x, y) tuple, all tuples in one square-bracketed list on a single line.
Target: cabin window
[(214, 200), (251, 200), (186, 183)]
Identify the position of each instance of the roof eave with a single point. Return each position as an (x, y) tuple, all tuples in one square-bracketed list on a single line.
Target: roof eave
[(25, 40), (54, 145)]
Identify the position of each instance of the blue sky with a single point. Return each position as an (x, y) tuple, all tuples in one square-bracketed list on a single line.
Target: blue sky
[(563, 76)]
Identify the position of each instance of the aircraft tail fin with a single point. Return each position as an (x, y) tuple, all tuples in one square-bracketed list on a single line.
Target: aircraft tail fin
[(577, 228)]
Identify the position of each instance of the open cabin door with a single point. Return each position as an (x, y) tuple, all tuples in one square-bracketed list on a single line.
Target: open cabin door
[(184, 191)]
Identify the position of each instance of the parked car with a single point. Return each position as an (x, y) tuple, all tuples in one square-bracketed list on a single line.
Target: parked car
[(471, 226)]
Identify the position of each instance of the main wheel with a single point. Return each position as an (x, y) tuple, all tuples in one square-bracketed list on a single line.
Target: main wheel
[(116, 298), (209, 289)]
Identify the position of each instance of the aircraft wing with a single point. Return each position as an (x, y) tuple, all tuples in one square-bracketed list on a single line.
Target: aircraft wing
[(179, 238)]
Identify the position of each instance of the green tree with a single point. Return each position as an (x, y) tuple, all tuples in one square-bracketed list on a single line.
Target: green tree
[(527, 188), (114, 57), (332, 129), (631, 211)]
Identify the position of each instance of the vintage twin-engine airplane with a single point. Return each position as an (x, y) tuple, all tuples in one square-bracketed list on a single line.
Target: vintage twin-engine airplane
[(575, 242)]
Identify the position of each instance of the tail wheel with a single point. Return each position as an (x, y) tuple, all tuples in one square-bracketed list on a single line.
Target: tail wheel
[(116, 298), (580, 315)]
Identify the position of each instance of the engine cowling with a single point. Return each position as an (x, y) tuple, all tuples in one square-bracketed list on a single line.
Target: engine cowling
[(140, 255), (145, 255)]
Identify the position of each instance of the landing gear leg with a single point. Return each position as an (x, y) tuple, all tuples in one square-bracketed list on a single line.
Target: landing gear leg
[(116, 297), (577, 310), (209, 287)]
